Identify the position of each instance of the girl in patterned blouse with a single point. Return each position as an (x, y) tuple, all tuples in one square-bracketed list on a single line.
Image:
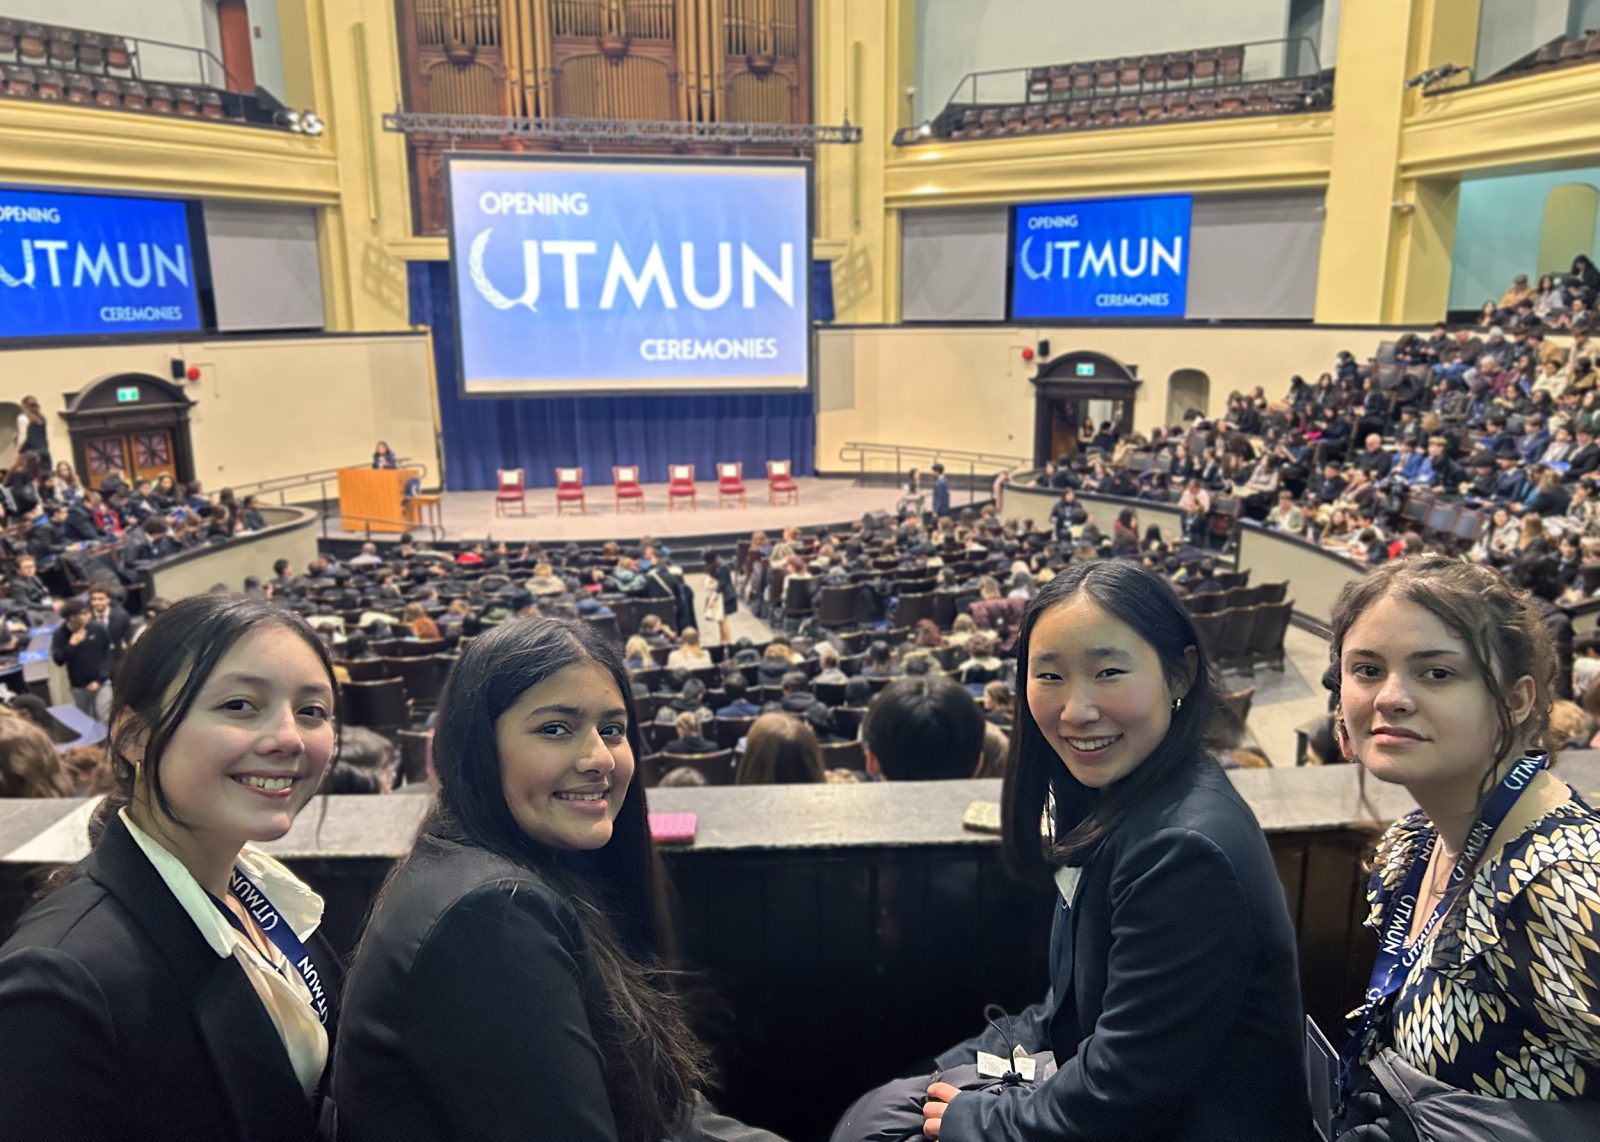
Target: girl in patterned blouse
[(1445, 671)]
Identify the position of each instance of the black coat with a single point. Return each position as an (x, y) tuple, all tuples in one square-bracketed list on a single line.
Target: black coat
[(470, 1009), (118, 1021), (1174, 1008)]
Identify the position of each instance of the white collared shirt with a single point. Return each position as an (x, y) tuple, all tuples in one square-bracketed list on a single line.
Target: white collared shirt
[(277, 983)]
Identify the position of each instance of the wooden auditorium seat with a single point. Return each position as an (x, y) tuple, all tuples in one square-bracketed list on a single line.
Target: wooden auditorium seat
[(511, 488), (780, 482), (569, 490), (730, 484), (625, 485), (680, 486)]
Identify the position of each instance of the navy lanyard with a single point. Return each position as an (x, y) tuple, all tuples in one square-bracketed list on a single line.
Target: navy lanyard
[(1395, 956), (277, 930)]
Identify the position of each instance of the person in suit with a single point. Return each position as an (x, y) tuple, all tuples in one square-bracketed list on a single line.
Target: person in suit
[(1586, 457), (1174, 1006), (30, 594), (505, 987), (119, 627), (174, 985), (941, 492)]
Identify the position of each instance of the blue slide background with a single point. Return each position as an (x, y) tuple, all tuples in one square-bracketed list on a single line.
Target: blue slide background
[(1100, 221), (44, 310), (635, 206)]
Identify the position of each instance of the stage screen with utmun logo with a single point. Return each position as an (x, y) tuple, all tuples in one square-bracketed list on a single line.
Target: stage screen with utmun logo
[(94, 265), (1106, 258), (602, 276)]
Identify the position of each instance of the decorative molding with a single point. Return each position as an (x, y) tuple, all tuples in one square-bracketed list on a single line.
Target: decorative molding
[(1257, 153), (66, 145)]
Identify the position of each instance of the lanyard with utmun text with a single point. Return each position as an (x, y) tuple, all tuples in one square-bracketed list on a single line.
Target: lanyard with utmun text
[(277, 930), (1396, 957)]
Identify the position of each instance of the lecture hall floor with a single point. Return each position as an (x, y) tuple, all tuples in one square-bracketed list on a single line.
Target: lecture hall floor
[(1283, 700), (836, 500)]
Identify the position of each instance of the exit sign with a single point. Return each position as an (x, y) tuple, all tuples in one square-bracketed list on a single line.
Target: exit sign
[(1086, 370), (128, 395)]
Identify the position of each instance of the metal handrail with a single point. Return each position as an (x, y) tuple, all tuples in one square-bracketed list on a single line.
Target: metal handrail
[(995, 461), (282, 485), (972, 77), (133, 54), (319, 476)]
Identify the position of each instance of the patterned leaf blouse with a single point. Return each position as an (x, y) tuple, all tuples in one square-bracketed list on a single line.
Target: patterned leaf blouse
[(1505, 1000)]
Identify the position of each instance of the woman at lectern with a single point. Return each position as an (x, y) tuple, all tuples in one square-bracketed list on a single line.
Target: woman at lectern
[(175, 986), (510, 984), (383, 457)]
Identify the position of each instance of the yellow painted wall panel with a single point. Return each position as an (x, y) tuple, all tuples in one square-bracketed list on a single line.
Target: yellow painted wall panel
[(1269, 153), (1540, 119), (57, 144), (264, 408), (968, 387)]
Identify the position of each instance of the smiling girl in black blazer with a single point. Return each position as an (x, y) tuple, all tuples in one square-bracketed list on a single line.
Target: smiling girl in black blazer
[(1174, 1006), (174, 987), (508, 985)]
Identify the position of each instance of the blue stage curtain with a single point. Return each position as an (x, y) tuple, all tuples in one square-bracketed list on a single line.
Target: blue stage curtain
[(822, 290), (539, 434)]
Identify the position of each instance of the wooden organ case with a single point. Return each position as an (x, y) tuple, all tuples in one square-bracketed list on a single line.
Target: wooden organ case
[(690, 61)]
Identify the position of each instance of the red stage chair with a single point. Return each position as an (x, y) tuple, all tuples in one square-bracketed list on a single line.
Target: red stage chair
[(780, 482), (625, 480), (730, 483), (569, 489), (513, 490), (680, 485)]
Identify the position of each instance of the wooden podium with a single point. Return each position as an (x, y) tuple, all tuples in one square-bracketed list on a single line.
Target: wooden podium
[(370, 499)]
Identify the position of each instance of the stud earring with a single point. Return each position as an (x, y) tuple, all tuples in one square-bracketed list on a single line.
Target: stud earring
[(1177, 704)]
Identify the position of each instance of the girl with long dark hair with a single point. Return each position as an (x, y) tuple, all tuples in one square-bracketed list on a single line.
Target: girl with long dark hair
[(1174, 1009), (509, 984), (175, 986)]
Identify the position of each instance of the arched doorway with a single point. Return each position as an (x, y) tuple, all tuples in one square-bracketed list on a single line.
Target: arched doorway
[(133, 423), (9, 411), (1187, 389), (1075, 388)]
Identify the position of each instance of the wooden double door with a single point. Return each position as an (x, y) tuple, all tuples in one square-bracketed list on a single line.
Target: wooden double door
[(141, 454)]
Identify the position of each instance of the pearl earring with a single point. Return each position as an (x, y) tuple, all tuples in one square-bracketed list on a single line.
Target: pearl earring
[(1177, 704)]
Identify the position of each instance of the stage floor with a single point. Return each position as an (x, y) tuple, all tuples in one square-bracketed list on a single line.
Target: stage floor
[(470, 515)]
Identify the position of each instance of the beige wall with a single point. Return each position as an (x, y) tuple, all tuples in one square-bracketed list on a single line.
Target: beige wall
[(968, 388), (263, 408), (292, 534)]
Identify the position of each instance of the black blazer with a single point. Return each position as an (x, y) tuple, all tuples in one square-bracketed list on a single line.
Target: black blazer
[(469, 1008), (1174, 1008), (118, 1021)]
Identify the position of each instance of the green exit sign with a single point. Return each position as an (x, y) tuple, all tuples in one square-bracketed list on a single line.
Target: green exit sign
[(128, 395), (1086, 370)]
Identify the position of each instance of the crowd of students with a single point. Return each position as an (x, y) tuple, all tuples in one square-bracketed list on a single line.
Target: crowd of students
[(1559, 301), (174, 984)]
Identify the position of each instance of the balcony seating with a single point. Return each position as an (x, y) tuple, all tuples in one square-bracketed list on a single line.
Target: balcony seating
[(1132, 90), (47, 62)]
